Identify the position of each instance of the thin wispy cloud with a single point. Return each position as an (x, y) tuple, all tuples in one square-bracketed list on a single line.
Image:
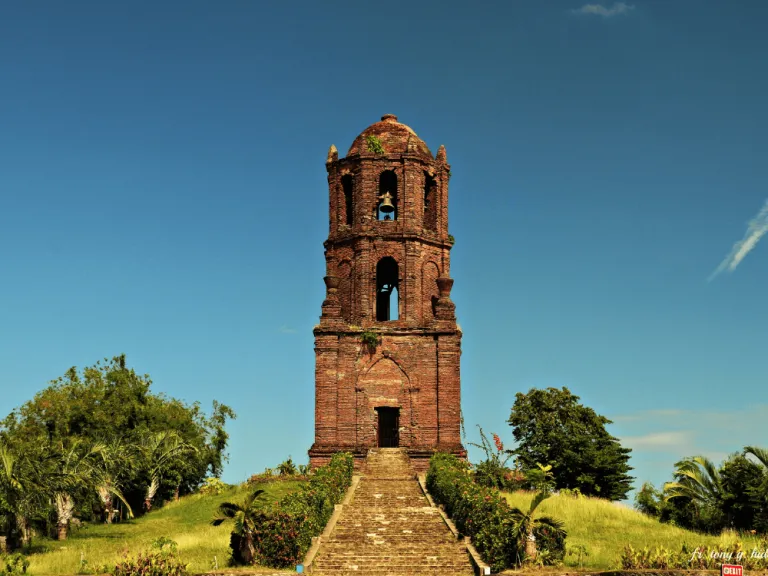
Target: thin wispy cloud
[(600, 10), (756, 229), (672, 441), (287, 330)]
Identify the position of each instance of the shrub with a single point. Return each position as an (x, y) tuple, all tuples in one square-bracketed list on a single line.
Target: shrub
[(163, 560), (700, 558), (287, 468), (13, 564), (493, 471), (212, 487), (283, 534), (482, 514)]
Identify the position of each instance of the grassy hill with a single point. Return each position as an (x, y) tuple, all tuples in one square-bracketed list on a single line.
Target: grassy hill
[(604, 528), (187, 522)]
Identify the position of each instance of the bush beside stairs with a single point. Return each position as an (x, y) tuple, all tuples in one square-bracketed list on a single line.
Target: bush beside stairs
[(389, 528)]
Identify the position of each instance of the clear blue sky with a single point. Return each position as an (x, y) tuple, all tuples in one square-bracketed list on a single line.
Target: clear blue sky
[(163, 194)]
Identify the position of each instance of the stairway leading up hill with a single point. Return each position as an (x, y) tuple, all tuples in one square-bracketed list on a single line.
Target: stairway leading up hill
[(389, 528)]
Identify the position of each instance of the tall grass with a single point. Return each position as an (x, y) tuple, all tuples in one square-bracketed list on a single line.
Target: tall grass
[(186, 521), (604, 528)]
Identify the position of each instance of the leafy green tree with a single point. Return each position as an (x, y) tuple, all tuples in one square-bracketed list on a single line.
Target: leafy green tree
[(698, 482), (742, 500), (110, 400), (649, 500), (551, 427), (526, 522), (244, 516), (760, 493)]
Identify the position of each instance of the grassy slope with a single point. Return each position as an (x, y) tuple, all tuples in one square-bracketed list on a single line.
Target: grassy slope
[(605, 528), (187, 522)]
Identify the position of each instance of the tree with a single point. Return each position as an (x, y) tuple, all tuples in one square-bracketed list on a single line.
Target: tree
[(162, 452), (115, 460), (75, 477), (649, 501), (698, 481), (552, 427), (244, 515), (109, 400), (527, 522), (742, 496)]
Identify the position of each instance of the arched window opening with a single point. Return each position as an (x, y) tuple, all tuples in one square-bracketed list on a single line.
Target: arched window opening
[(386, 206), (430, 202), (387, 295), (346, 185)]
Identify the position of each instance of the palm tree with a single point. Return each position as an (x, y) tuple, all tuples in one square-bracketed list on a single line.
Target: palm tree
[(75, 473), (160, 451), (243, 551), (760, 453), (527, 522), (112, 460), (12, 488), (698, 479), (25, 483)]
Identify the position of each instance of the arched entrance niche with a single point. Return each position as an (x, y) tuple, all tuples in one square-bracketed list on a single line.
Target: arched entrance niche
[(383, 393)]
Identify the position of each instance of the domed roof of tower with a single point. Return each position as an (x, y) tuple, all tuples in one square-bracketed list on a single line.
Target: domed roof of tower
[(395, 138)]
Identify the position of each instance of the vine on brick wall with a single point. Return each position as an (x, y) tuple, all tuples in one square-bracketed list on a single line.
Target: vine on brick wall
[(374, 144)]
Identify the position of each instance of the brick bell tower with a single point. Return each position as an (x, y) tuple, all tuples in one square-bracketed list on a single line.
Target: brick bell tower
[(387, 347)]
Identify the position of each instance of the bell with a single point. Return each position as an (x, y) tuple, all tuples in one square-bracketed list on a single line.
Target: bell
[(386, 203)]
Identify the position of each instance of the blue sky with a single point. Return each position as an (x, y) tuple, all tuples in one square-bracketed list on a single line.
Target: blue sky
[(163, 194)]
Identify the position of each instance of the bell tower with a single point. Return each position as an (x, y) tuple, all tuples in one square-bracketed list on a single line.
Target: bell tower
[(387, 348)]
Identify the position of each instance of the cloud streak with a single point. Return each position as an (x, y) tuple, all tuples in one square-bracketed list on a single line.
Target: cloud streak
[(600, 10), (673, 441), (756, 229)]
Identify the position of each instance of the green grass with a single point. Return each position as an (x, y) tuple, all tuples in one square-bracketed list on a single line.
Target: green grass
[(604, 528), (187, 522)]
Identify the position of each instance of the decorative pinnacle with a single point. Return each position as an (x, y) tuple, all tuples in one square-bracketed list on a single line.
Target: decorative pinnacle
[(333, 154), (441, 155)]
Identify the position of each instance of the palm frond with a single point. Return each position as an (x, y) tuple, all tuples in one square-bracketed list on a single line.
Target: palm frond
[(759, 453)]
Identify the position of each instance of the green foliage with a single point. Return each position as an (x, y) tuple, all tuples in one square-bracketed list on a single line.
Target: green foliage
[(579, 551), (496, 530), (370, 340), (213, 486), (159, 562), (551, 427), (373, 144), (83, 444), (13, 564), (280, 536), (493, 471), (689, 558), (287, 468), (451, 239), (649, 501)]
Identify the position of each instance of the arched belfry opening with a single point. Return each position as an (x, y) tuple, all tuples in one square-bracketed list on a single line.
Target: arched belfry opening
[(430, 202), (387, 296), (386, 206), (348, 206)]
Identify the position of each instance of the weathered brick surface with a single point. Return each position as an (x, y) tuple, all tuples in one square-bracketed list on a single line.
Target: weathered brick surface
[(415, 368)]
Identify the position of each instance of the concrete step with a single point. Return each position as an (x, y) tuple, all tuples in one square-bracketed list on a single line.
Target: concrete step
[(389, 528)]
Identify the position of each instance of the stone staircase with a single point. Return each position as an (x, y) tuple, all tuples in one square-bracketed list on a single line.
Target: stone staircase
[(389, 528)]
